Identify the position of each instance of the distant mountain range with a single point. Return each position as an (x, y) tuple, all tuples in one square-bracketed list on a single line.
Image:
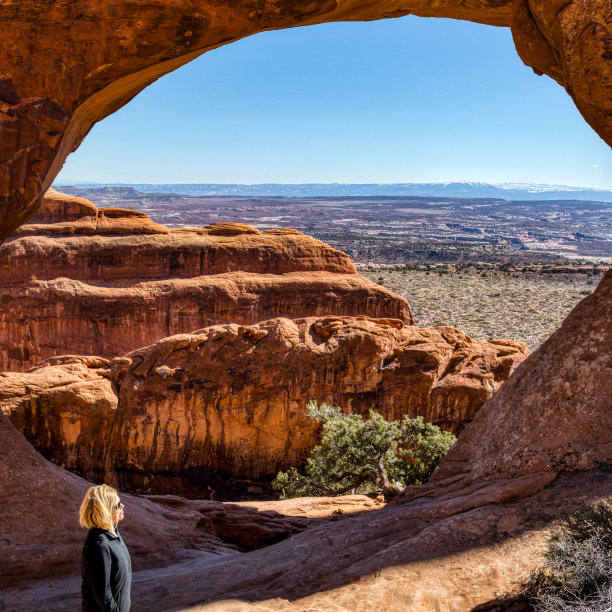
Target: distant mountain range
[(503, 191)]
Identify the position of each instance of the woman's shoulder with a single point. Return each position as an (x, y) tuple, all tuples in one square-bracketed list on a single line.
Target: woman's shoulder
[(99, 537)]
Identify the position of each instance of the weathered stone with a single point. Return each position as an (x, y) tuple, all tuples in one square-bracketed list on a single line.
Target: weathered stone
[(193, 410), (66, 66), (107, 281), (451, 544), (555, 411), (39, 533)]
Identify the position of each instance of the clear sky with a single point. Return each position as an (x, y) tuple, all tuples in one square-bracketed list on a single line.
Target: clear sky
[(399, 100)]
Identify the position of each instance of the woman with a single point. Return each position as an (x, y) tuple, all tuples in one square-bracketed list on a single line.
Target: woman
[(106, 566)]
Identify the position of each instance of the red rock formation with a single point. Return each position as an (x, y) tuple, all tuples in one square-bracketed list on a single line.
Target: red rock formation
[(59, 207), (111, 281), (39, 533), (555, 412), (64, 69), (436, 552), (449, 545), (455, 542), (229, 401)]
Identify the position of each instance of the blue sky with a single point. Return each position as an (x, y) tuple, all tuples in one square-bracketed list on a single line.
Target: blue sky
[(400, 100)]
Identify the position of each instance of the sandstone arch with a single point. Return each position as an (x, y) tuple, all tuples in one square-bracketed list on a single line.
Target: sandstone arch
[(64, 65)]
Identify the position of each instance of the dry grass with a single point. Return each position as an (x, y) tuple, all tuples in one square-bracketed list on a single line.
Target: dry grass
[(488, 304)]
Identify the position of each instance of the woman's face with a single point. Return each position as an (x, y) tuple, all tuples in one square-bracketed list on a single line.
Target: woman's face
[(117, 511)]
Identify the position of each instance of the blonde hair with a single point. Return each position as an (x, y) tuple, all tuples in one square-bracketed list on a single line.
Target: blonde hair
[(97, 506)]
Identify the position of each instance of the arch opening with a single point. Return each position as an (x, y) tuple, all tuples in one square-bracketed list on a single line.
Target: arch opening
[(112, 53)]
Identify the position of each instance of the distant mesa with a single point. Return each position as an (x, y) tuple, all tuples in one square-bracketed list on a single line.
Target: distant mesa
[(88, 280), (503, 191)]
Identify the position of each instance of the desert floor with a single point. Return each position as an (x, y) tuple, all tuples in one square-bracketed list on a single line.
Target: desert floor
[(487, 304)]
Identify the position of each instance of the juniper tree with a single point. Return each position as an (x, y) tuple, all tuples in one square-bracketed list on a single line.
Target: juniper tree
[(364, 455)]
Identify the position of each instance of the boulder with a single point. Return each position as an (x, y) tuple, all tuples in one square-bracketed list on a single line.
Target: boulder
[(217, 410)]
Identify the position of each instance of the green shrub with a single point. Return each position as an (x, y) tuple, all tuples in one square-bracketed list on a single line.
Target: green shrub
[(365, 455)]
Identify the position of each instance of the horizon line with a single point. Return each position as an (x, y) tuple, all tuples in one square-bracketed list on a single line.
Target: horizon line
[(67, 182)]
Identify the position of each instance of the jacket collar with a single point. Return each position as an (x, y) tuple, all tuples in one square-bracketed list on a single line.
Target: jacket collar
[(109, 534)]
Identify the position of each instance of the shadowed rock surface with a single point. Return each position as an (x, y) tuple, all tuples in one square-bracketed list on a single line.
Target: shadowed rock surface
[(40, 536), (205, 412), (449, 545), (106, 281), (68, 65)]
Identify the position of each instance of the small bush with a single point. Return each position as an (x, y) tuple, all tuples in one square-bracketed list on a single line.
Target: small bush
[(365, 455), (576, 575)]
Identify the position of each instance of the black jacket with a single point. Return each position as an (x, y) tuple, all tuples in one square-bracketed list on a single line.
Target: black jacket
[(107, 573)]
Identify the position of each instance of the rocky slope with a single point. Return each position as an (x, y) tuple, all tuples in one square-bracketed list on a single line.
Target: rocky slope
[(106, 281), (447, 545), (205, 412), (37, 539)]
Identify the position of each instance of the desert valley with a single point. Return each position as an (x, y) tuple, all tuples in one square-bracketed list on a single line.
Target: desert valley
[(173, 344)]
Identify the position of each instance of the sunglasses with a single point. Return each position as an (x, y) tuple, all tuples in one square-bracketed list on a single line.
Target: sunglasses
[(117, 505)]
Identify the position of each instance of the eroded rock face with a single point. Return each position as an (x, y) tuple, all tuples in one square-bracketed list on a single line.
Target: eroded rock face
[(194, 410), (106, 281), (555, 412), (451, 544), (442, 551), (40, 536), (65, 67)]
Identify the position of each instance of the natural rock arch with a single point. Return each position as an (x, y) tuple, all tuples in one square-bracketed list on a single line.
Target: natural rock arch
[(69, 64), (63, 68)]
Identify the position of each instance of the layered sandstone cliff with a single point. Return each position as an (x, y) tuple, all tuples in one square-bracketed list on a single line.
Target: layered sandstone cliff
[(39, 534), (106, 281), (194, 410)]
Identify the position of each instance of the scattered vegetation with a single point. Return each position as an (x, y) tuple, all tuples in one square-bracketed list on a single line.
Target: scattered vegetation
[(359, 455), (576, 575), (506, 301)]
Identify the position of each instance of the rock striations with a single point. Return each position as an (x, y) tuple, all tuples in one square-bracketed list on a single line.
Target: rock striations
[(83, 280), (39, 534), (228, 402), (536, 448)]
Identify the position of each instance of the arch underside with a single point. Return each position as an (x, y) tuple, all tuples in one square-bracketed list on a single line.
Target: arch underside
[(70, 64)]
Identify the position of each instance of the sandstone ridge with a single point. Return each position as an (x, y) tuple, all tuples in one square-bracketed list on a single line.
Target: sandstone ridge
[(106, 281), (449, 545), (65, 69), (226, 404)]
